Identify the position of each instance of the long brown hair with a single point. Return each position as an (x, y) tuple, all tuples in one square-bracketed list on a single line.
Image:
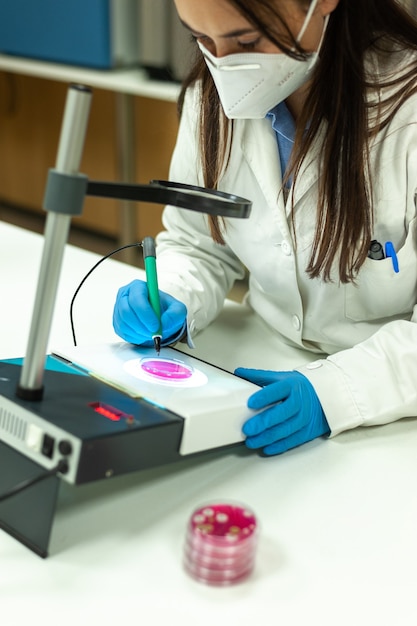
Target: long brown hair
[(338, 98)]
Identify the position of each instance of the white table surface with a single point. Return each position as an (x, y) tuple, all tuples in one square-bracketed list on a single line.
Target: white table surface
[(338, 518)]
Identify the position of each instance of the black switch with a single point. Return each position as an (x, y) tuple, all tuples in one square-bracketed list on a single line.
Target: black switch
[(48, 444)]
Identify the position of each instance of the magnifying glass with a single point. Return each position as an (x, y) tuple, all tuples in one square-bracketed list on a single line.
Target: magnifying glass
[(181, 195)]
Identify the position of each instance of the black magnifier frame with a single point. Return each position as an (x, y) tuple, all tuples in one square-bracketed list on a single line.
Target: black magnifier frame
[(200, 199)]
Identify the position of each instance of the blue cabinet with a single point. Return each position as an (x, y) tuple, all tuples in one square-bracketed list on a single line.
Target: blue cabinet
[(90, 33)]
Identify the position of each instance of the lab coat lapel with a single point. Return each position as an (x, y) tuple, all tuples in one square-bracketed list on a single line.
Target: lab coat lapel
[(259, 146), (308, 175)]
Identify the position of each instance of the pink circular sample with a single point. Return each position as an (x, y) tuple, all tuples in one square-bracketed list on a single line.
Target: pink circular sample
[(166, 369), (220, 544)]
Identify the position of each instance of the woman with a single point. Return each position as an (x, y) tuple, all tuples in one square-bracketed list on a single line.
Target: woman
[(310, 110)]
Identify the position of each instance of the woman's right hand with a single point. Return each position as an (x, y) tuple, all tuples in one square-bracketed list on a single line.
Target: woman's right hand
[(135, 321)]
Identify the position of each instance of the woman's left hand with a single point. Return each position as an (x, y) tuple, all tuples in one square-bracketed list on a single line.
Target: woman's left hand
[(291, 415)]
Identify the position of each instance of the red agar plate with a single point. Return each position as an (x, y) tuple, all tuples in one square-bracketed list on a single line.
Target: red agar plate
[(220, 544)]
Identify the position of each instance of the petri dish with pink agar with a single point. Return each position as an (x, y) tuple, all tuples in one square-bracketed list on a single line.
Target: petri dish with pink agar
[(166, 369), (220, 544)]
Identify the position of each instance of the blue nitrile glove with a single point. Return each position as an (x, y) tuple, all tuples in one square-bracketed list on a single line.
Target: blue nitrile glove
[(135, 321), (292, 412)]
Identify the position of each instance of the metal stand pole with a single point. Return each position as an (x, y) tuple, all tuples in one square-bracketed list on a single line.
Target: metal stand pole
[(125, 124), (61, 193)]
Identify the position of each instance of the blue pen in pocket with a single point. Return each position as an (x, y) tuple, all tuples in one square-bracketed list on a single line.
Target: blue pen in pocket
[(390, 253)]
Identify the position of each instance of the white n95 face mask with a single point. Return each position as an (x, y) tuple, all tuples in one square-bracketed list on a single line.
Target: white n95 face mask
[(250, 84)]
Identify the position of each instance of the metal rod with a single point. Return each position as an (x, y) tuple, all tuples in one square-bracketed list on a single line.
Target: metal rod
[(57, 225), (126, 171)]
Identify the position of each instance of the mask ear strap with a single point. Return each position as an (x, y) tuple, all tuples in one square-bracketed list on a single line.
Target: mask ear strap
[(310, 12), (326, 21)]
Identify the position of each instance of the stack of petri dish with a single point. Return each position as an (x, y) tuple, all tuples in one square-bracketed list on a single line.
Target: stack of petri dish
[(220, 543)]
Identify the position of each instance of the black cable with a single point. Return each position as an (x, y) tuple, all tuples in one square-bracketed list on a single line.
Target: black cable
[(60, 468), (130, 245)]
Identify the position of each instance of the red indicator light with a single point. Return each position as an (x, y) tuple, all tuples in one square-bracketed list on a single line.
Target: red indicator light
[(109, 412), (106, 413)]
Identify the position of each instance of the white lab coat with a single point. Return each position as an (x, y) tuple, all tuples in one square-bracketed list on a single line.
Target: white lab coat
[(365, 335)]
